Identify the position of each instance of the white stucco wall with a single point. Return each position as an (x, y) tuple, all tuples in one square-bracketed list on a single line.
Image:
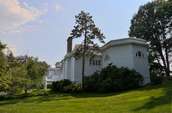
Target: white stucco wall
[(73, 68), (141, 64), (89, 69), (125, 56), (120, 55), (78, 70), (52, 75), (68, 68), (65, 63)]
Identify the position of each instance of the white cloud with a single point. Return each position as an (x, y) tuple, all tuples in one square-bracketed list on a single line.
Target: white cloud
[(14, 15), (58, 7), (10, 49)]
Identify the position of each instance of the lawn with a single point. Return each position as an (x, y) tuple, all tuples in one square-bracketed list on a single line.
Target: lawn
[(150, 99)]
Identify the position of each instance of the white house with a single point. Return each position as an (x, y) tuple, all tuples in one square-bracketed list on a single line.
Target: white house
[(128, 52), (53, 74)]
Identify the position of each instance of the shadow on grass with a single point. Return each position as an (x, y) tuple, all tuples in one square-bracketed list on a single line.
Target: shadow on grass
[(51, 97), (33, 98), (153, 102), (165, 99)]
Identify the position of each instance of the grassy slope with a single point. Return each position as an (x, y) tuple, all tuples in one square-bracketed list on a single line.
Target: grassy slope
[(156, 99)]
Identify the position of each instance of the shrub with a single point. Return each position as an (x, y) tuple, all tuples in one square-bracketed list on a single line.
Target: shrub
[(59, 85), (65, 86), (156, 79), (72, 88), (49, 86), (112, 79)]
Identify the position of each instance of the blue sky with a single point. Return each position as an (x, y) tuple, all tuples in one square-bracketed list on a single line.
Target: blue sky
[(40, 27)]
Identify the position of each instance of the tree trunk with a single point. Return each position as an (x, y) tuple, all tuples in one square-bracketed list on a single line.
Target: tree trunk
[(164, 61), (25, 91), (83, 70), (168, 64), (83, 62)]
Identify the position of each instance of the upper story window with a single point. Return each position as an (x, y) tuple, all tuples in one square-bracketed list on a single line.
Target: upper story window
[(99, 62), (139, 54), (95, 62), (49, 77), (107, 57)]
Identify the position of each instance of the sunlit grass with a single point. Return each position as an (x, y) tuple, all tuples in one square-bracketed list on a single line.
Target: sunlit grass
[(151, 99)]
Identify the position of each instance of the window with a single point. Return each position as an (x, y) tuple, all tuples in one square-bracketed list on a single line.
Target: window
[(106, 57), (49, 77), (90, 61), (99, 62), (139, 54), (95, 62)]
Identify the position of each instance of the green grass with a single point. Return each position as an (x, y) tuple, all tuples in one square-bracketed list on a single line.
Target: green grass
[(151, 99)]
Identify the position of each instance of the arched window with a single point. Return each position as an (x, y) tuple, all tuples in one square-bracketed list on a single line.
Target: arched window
[(94, 62), (99, 62), (90, 62), (139, 54), (106, 58)]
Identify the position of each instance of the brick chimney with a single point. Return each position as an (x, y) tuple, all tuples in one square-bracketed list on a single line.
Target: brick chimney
[(69, 45)]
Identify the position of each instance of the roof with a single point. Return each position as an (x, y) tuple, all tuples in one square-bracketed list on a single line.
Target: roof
[(112, 43), (124, 41), (78, 46)]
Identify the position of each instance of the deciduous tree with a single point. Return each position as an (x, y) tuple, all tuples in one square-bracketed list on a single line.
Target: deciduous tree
[(153, 22)]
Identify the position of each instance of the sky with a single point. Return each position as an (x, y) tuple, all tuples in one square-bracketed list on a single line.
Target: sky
[(40, 28)]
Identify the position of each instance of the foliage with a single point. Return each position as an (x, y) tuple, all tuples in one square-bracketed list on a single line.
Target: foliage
[(20, 73), (65, 86), (59, 85), (153, 23), (156, 79), (156, 72), (72, 88), (35, 72), (112, 79), (86, 28), (4, 76)]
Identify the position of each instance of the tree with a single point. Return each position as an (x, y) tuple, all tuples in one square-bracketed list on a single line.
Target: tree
[(20, 73), (35, 70), (153, 23), (4, 79), (86, 28), (3, 62)]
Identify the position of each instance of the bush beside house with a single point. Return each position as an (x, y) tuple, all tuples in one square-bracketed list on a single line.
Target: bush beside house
[(65, 86), (112, 79), (109, 79)]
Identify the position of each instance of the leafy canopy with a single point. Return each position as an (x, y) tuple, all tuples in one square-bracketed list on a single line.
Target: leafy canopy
[(153, 22), (86, 28)]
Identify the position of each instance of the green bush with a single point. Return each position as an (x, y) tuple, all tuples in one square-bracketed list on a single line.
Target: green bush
[(72, 88), (59, 85), (112, 79), (49, 86), (65, 86), (155, 79)]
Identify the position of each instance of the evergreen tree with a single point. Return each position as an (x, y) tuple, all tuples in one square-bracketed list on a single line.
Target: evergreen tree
[(86, 28)]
